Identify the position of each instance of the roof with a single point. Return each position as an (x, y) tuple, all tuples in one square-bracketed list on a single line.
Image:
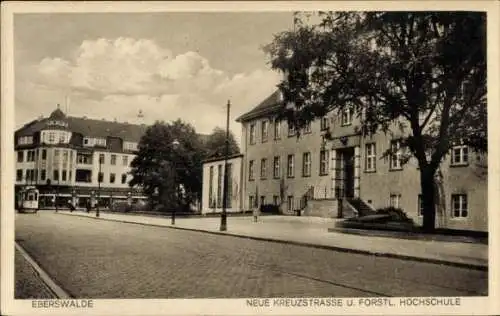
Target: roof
[(270, 105), (90, 127)]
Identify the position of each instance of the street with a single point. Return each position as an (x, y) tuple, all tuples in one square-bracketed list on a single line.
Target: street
[(92, 258)]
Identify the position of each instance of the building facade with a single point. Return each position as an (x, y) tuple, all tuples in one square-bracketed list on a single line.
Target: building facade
[(213, 184), (77, 160), (332, 160)]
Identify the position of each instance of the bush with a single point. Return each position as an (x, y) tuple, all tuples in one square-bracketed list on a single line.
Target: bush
[(270, 209), (123, 207), (396, 214)]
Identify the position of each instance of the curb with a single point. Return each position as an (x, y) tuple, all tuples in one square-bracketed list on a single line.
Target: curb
[(305, 244), (46, 279)]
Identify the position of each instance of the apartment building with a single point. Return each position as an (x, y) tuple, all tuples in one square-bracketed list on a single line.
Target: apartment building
[(332, 160), (77, 159)]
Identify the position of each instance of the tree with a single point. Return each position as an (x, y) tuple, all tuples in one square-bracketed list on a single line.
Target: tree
[(216, 143), (421, 72), (169, 174)]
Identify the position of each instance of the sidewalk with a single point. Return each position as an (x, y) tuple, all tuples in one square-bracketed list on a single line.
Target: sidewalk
[(311, 231)]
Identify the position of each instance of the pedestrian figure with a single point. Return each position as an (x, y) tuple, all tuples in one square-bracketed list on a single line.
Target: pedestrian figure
[(255, 214), (87, 205)]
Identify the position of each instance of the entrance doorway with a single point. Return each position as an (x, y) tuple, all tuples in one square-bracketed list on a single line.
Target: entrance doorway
[(344, 172)]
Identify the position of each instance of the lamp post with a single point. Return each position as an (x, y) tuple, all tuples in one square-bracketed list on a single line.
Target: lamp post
[(175, 145), (98, 188), (57, 190), (223, 216)]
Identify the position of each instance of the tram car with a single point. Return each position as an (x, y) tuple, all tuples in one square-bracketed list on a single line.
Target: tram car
[(28, 201)]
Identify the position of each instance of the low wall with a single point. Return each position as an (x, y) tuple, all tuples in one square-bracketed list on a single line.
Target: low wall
[(322, 208)]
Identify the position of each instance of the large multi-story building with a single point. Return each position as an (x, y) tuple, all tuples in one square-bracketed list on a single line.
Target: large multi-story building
[(332, 160), (65, 157)]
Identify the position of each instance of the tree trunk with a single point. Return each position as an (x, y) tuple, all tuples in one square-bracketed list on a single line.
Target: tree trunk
[(428, 198)]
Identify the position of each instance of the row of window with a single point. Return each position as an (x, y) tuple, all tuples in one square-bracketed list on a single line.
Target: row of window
[(32, 176), (217, 200), (459, 157), (82, 158), (58, 137), (346, 119), (290, 169), (459, 206)]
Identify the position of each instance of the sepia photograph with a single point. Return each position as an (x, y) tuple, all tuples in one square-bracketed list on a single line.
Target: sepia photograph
[(321, 159)]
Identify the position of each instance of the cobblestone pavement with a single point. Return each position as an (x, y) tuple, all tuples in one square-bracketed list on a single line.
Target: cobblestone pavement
[(102, 259), (28, 284)]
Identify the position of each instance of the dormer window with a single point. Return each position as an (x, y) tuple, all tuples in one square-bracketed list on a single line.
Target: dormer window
[(130, 146), (25, 140), (101, 142)]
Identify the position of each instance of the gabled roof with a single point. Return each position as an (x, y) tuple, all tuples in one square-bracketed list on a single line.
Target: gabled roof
[(271, 104)]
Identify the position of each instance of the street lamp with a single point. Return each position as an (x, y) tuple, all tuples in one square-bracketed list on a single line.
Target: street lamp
[(175, 145)]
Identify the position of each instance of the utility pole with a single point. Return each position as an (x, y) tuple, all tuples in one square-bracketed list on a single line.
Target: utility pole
[(98, 188), (223, 217)]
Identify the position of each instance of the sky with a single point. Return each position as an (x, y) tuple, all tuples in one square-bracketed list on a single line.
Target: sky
[(167, 65)]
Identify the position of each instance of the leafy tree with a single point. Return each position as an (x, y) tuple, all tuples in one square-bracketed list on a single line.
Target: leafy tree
[(216, 143), (169, 172), (421, 72)]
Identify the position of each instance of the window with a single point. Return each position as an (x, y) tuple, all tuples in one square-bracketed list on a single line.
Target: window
[(70, 176), (124, 178), (211, 201), (62, 137), (56, 154), (130, 146), (100, 142), (306, 164), (125, 160), (20, 156), (219, 186), (325, 123), (51, 137), (112, 177), (64, 174), (346, 117), (83, 158), (65, 156), (291, 129), (307, 128), (262, 200), (370, 155), (100, 177), (19, 175), (251, 201), (252, 134), (56, 175), (290, 203), (263, 168), (265, 131), (277, 129), (43, 175), (44, 154), (113, 160), (83, 175), (459, 155), (394, 200), (276, 167), (86, 141), (420, 206), (395, 160), (290, 166), (101, 159), (323, 162), (25, 140), (276, 200), (250, 170), (459, 205)]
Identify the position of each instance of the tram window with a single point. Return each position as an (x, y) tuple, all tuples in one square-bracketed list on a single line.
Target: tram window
[(30, 197), (35, 196)]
